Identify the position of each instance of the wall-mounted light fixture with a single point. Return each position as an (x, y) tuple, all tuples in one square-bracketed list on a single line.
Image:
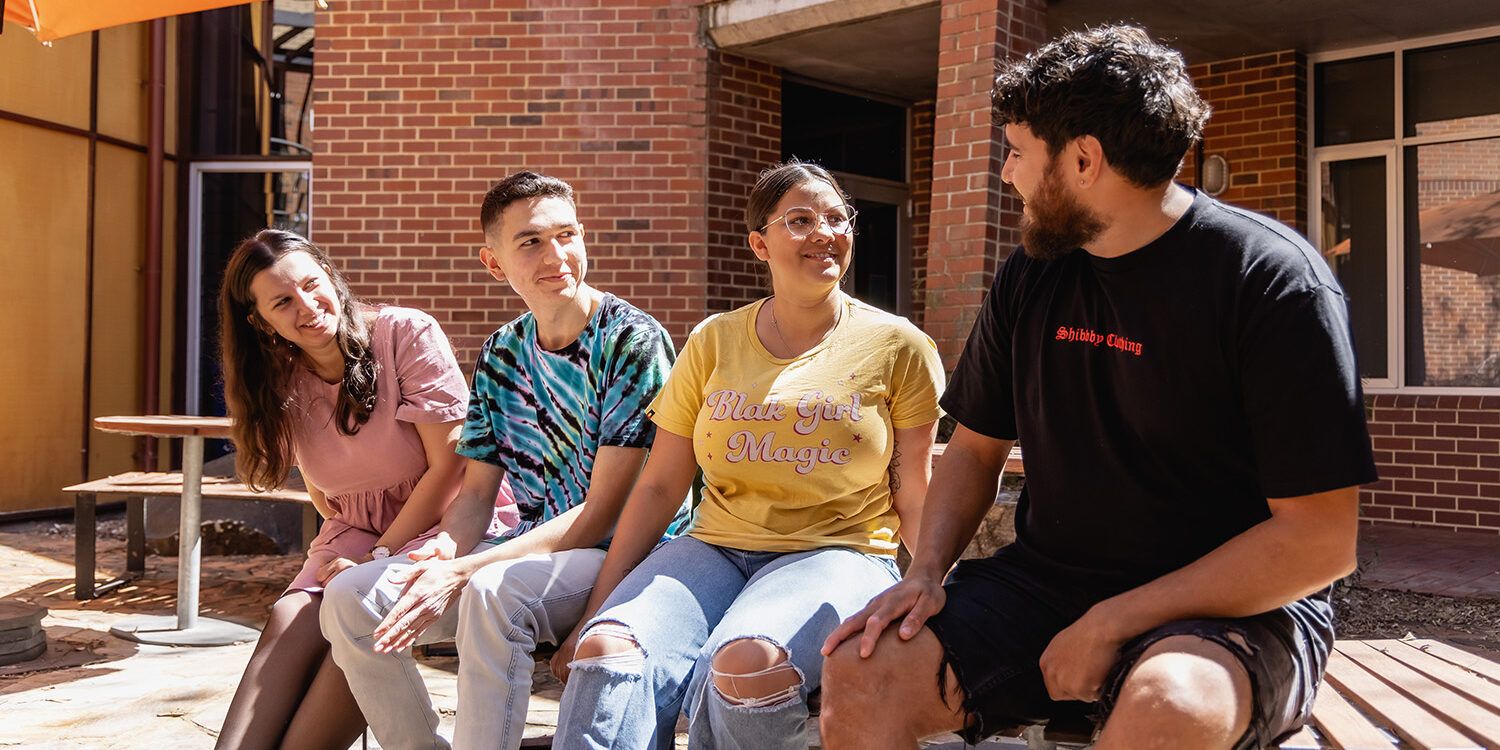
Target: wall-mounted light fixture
[(1215, 178)]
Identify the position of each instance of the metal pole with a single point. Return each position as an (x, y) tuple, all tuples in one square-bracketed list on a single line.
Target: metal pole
[(152, 293), (189, 548)]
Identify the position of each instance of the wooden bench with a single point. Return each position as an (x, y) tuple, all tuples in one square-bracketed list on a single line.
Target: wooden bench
[(135, 486), (1377, 695)]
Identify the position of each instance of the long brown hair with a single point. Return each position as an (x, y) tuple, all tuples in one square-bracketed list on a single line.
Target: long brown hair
[(258, 365)]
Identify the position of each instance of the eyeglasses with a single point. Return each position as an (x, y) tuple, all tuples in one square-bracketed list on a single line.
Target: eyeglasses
[(800, 222)]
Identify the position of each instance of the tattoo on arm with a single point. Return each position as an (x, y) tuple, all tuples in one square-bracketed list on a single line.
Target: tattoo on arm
[(893, 471)]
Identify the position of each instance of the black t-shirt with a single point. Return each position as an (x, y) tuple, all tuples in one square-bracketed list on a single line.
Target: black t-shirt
[(1163, 395)]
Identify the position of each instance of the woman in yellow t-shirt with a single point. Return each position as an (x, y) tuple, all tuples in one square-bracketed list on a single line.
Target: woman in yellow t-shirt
[(812, 416)]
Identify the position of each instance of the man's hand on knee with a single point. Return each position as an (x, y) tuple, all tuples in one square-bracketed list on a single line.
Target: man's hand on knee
[(912, 600)]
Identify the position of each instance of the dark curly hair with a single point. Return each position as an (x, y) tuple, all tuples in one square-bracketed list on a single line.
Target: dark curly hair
[(1114, 83)]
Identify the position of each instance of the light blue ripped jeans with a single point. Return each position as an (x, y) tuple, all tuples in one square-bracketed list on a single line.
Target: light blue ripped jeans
[(680, 605)]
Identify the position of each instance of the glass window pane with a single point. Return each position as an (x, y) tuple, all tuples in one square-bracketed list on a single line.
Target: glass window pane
[(866, 137), (1354, 244), (1453, 263), (1354, 100), (1452, 89)]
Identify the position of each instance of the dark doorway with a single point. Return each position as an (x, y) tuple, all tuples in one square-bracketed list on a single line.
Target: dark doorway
[(874, 275), (863, 141)]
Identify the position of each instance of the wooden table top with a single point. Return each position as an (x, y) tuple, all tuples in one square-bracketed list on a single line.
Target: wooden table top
[(165, 425)]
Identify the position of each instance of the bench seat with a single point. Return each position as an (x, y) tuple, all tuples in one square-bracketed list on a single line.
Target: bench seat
[(135, 486)]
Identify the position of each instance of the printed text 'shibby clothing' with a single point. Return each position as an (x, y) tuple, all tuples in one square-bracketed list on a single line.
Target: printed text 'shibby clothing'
[(542, 415), (796, 452)]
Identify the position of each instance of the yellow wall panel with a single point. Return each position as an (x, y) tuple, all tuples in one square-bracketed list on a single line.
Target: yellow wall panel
[(119, 236), (43, 204), (119, 257), (123, 68), (51, 83)]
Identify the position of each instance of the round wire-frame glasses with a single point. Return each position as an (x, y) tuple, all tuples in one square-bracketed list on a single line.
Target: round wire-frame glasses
[(802, 221)]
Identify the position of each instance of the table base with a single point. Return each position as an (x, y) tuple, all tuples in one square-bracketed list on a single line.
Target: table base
[(162, 630)]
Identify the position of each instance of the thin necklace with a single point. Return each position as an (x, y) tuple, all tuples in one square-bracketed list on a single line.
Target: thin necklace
[(777, 326)]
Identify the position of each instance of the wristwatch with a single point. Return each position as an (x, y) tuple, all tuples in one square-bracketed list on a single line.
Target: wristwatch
[(380, 552)]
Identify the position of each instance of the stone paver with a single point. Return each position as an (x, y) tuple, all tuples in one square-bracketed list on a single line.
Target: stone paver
[(1430, 561), (93, 690)]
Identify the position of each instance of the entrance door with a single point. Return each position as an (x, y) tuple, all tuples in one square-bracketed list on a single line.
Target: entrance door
[(1353, 231), (881, 271), (866, 148)]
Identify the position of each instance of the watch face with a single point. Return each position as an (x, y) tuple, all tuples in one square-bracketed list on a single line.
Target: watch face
[(380, 552)]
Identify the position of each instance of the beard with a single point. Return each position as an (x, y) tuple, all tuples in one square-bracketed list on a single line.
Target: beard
[(1058, 222)]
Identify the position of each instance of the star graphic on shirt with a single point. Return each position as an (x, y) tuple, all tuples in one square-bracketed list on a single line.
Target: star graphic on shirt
[(710, 434), (851, 376), (710, 456), (858, 438)]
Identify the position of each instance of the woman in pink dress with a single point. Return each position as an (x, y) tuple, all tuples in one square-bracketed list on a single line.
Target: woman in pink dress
[(367, 403)]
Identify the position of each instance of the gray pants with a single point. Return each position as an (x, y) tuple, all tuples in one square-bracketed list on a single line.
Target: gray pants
[(505, 610)]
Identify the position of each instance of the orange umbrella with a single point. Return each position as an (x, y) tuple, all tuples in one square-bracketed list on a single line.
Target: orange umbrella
[(54, 19)]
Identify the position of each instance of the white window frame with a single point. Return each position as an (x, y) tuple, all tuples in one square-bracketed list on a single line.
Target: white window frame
[(192, 381), (1394, 151)]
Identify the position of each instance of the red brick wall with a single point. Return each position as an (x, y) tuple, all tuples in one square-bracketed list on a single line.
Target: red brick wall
[(1259, 126), (744, 137), (973, 218), (1439, 459), (921, 204), (423, 104)]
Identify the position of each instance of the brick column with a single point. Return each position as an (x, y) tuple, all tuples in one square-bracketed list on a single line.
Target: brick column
[(744, 137), (973, 220), (1259, 126), (921, 206)]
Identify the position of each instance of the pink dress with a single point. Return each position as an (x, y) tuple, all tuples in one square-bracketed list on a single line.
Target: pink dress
[(368, 476)]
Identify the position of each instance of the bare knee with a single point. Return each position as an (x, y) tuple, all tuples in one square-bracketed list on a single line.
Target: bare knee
[(845, 672), (297, 610), (894, 691), (606, 639), (755, 672), (1182, 687)]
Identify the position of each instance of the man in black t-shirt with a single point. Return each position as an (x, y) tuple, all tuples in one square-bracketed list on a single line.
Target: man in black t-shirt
[(1181, 375)]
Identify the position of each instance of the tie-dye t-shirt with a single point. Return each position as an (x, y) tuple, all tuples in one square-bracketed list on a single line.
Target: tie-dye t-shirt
[(542, 415)]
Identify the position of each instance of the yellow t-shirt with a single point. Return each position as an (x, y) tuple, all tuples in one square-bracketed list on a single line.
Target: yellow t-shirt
[(796, 452)]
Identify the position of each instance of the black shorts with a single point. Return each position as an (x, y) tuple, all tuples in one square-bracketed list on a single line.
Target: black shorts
[(1002, 611)]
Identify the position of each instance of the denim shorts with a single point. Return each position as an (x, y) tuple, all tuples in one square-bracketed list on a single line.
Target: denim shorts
[(1002, 611)]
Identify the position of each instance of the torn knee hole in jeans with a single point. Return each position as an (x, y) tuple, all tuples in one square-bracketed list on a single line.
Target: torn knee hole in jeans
[(777, 697), (1237, 638), (630, 660), (1231, 638)]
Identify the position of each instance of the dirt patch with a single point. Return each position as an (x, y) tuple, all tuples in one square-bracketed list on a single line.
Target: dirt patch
[(219, 537)]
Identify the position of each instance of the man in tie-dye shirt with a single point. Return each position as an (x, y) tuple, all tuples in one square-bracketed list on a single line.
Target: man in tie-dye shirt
[(558, 412)]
